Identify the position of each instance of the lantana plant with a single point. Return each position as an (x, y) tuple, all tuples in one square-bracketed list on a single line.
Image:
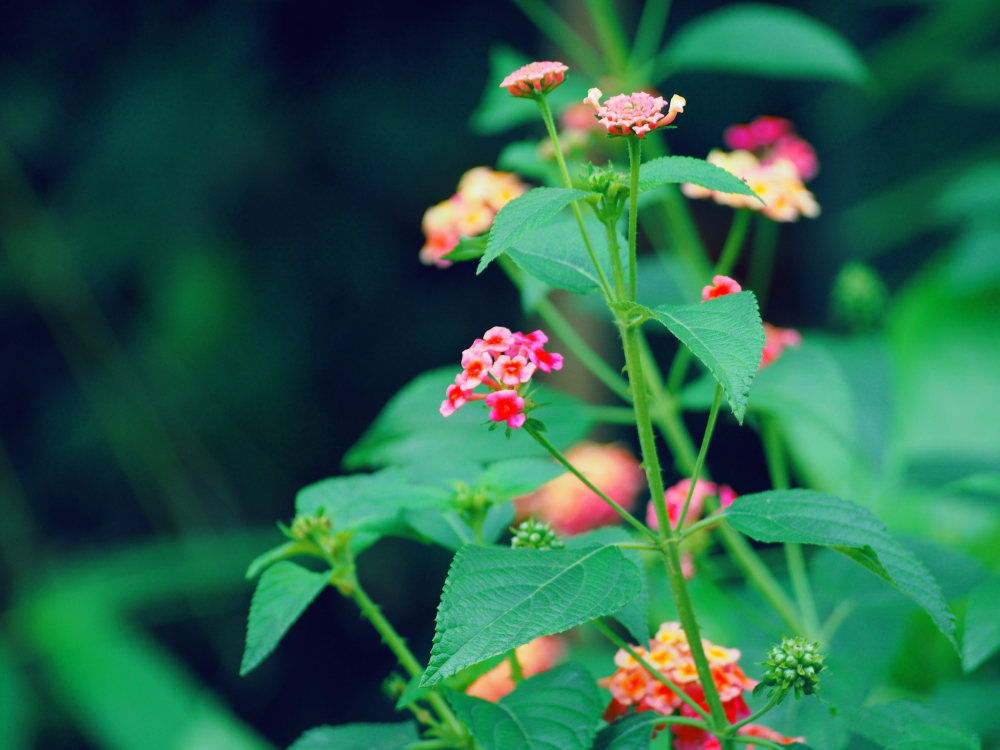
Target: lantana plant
[(566, 550)]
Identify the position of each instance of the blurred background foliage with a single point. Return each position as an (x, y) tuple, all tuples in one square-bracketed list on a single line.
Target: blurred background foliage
[(209, 220)]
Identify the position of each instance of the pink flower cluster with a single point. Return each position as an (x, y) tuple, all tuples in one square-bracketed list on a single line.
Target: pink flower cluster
[(775, 341), (773, 138), (470, 211), (504, 362), (535, 78), (573, 508), (675, 498), (670, 653), (637, 113), (720, 287)]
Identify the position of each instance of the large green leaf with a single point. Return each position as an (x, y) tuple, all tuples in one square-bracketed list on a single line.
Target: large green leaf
[(440, 526), (411, 431), (517, 476), (630, 733), (554, 710), (982, 624), (679, 169), (359, 737), (727, 335), (762, 40), (499, 111), (496, 599), (556, 255), (524, 215), (903, 725), (282, 595), (809, 517)]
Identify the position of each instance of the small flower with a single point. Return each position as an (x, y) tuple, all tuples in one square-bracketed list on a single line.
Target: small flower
[(637, 113), (535, 78), (799, 152), (775, 341), (456, 396), (534, 657), (476, 364), (570, 506), (498, 339), (513, 371), (506, 406), (720, 286), (532, 534)]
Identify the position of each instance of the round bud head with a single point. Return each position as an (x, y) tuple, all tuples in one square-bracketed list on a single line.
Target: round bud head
[(858, 298), (793, 665), (532, 534), (304, 527)]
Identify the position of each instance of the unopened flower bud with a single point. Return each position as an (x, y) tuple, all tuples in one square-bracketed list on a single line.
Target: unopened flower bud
[(793, 664), (532, 534), (858, 298), (304, 527)]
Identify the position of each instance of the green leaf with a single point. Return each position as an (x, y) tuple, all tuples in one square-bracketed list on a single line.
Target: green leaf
[(499, 111), (903, 725), (634, 615), (522, 216), (19, 712), (468, 248), (765, 40), (523, 157), (554, 710), (442, 527), (632, 732), (667, 169), (282, 595), (273, 555), (496, 599), (498, 519), (367, 502), (411, 431), (556, 255), (727, 335), (518, 476), (809, 517), (359, 737), (982, 624)]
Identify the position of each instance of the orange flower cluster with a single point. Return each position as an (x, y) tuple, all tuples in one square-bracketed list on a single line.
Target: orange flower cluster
[(670, 652), (470, 211), (539, 655)]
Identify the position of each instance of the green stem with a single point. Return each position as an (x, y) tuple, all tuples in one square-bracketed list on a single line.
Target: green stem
[(700, 461), (516, 674), (762, 262), (635, 161), (757, 742), (543, 106), (561, 33), (778, 468), (771, 703), (678, 369), (398, 646), (734, 242), (610, 35), (653, 671), (616, 261), (628, 517), (612, 414)]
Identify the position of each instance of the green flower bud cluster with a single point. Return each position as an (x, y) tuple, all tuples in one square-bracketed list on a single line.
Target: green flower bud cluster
[(532, 534), (794, 664), (858, 299), (307, 527)]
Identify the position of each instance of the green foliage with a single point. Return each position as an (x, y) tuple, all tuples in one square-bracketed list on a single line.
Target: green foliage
[(554, 710), (517, 476), (556, 255), (908, 726), (441, 527), (727, 335), (410, 430), (766, 40), (524, 215), (981, 637), (679, 169), (18, 709), (809, 517), (629, 733), (496, 599), (283, 593), (359, 737)]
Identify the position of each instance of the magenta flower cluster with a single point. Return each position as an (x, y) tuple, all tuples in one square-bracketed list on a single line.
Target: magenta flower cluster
[(503, 361)]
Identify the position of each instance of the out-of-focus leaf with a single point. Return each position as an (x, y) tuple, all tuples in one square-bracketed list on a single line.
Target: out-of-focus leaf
[(809, 517), (970, 193), (359, 737), (498, 519), (518, 476), (555, 709), (679, 169), (982, 624), (440, 526), (496, 599), (630, 733), (283, 593), (666, 280), (499, 111), (468, 248), (18, 710), (766, 40), (524, 215), (273, 555), (727, 335), (522, 157), (556, 255), (908, 726), (410, 430)]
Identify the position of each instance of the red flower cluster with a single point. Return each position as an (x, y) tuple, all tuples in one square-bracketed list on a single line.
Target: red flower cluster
[(502, 361)]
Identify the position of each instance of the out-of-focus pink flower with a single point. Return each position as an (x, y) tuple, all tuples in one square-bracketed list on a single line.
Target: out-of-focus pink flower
[(535, 78), (637, 113), (720, 286), (739, 137), (572, 508), (775, 341), (675, 498), (534, 657), (726, 496), (799, 152), (579, 117), (766, 130), (506, 406), (757, 730)]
